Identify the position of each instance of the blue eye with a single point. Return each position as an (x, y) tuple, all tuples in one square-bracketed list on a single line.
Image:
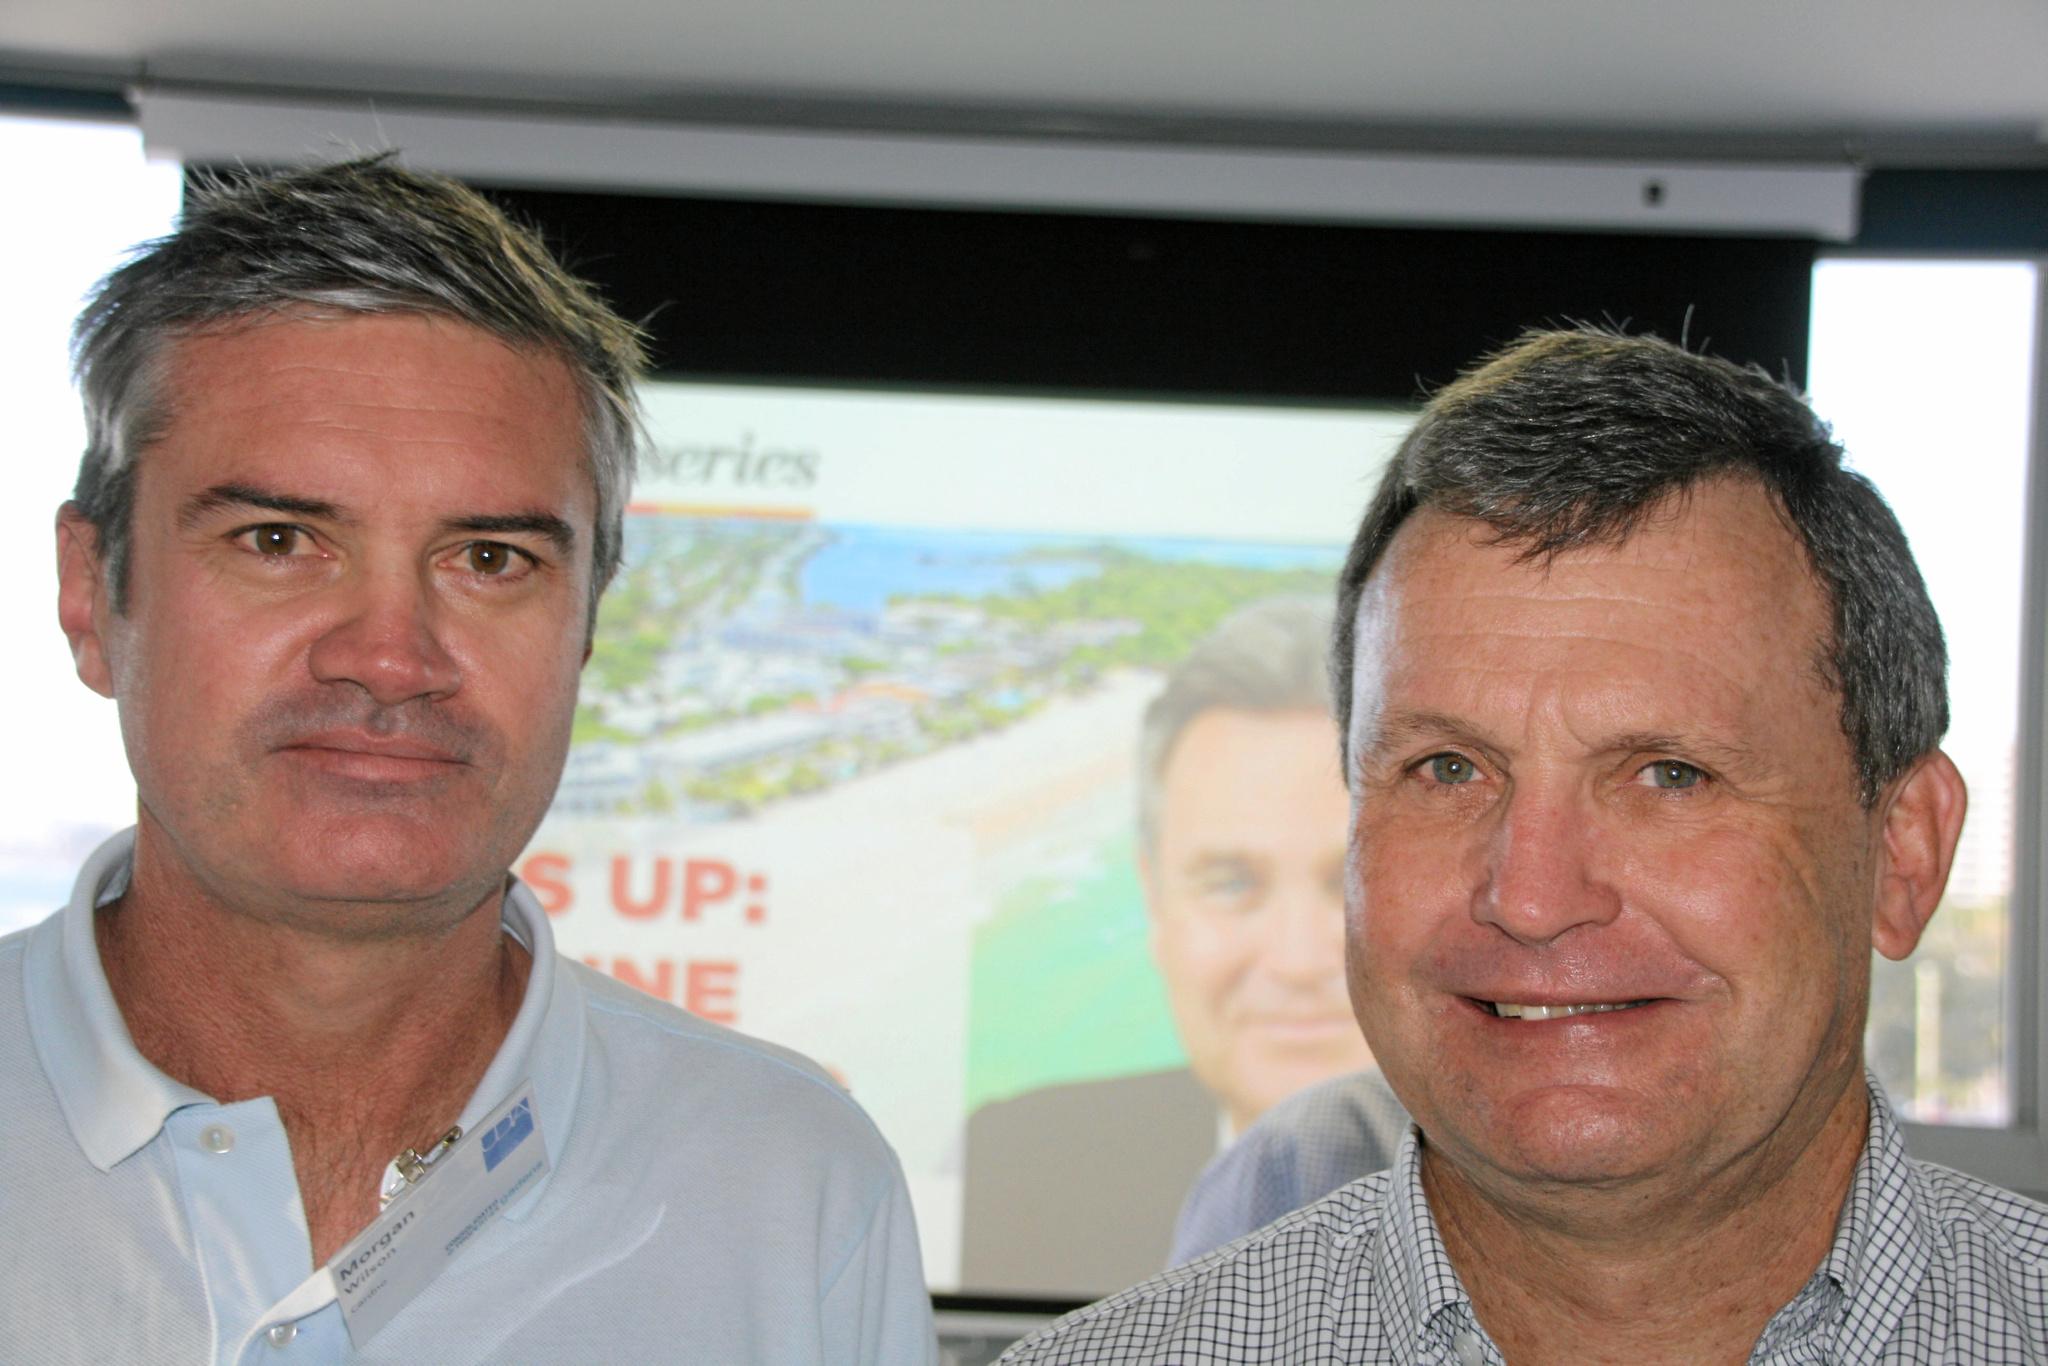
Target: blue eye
[(1674, 775), (1451, 769)]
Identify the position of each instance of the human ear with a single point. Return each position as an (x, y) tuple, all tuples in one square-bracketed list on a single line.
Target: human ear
[(81, 597), (1922, 821)]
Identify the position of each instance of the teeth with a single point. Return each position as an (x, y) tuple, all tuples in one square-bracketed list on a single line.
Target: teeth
[(1509, 1011)]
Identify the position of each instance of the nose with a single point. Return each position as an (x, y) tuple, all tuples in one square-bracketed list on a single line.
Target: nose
[(1540, 877), (387, 642)]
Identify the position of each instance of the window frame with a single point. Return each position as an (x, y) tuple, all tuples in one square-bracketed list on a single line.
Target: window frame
[(2016, 1155)]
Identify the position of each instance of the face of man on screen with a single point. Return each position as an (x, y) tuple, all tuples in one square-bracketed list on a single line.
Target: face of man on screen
[(1244, 884)]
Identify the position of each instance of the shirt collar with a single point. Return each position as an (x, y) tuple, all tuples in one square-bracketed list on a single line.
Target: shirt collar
[(1882, 1243), (544, 1044), (1411, 1262), (116, 1100), (1880, 1249), (113, 1098)]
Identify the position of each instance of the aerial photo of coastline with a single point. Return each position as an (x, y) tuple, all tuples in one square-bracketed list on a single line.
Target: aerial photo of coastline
[(920, 745), (740, 662)]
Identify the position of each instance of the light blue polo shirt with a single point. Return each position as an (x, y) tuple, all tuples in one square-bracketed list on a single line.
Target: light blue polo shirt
[(712, 1199)]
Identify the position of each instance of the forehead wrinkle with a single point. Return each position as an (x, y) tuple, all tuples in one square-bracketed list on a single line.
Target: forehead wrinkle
[(409, 438), (1702, 630), (318, 405), (1587, 602), (1603, 713), (1521, 666), (318, 385), (326, 409)]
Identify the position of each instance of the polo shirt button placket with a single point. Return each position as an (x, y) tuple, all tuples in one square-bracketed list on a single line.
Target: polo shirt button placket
[(217, 1138)]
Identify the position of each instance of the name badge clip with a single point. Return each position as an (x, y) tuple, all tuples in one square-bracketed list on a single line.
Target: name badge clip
[(479, 1175), (410, 1167)]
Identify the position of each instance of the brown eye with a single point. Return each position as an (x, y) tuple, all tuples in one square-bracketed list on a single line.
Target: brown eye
[(275, 539), (490, 558)]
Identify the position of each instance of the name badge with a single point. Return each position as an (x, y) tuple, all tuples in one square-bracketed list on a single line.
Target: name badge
[(427, 1224)]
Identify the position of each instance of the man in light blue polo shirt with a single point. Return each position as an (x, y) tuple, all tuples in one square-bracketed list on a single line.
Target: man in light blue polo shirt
[(298, 1074)]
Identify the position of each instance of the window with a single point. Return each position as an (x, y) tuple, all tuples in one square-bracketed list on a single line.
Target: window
[(1927, 369), (63, 735)]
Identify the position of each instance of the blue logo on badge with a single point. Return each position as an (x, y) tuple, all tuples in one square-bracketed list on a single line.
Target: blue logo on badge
[(508, 1133)]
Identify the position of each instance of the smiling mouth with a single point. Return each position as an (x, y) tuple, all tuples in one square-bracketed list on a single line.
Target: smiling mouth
[(1508, 1010)]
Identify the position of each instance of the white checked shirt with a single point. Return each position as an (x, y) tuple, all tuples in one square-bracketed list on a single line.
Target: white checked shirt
[(1927, 1266)]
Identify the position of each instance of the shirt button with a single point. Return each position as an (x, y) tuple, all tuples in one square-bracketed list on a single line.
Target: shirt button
[(1470, 1353), (217, 1138), (280, 1335)]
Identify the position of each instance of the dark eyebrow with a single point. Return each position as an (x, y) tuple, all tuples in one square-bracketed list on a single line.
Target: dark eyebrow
[(232, 495), (1394, 731), (248, 495), (1721, 752), (545, 524), (1388, 731)]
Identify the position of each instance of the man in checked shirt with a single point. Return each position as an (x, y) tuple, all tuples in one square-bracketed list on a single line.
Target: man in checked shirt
[(1641, 694)]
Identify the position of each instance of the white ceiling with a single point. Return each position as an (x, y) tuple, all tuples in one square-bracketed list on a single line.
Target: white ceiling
[(1970, 74)]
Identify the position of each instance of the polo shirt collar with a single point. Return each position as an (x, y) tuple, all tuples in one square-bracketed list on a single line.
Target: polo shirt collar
[(116, 1101), (544, 1045)]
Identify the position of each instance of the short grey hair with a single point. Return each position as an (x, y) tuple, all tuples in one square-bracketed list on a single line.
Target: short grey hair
[(1266, 657), (1574, 438), (361, 236)]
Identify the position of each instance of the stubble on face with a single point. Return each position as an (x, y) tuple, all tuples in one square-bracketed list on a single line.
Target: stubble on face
[(1514, 840), (360, 733)]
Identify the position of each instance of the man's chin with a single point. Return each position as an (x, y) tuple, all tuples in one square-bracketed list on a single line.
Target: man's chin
[(1576, 1136), (376, 881)]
